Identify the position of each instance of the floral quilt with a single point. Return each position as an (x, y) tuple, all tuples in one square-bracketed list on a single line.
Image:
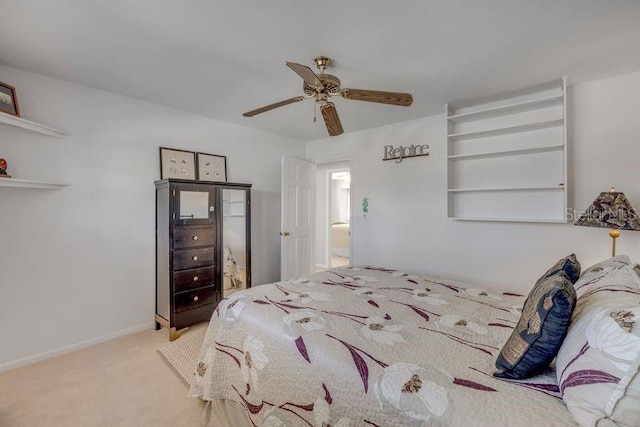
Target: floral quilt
[(364, 346)]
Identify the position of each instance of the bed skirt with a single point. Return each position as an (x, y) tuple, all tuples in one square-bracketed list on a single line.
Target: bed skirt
[(224, 413)]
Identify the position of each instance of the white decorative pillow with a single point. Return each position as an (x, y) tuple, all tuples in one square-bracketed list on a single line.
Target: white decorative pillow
[(592, 275), (599, 361)]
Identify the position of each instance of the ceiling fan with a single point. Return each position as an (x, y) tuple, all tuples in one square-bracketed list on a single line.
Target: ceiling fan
[(321, 87)]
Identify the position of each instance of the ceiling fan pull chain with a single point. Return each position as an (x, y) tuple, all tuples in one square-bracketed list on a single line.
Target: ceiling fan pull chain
[(315, 112)]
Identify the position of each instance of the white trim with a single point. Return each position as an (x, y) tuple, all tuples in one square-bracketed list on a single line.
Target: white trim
[(35, 358)]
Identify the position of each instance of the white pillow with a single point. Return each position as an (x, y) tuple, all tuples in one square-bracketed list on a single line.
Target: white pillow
[(599, 361)]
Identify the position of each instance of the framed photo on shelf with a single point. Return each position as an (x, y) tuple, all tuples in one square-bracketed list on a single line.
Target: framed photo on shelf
[(212, 167), (9, 100), (177, 164)]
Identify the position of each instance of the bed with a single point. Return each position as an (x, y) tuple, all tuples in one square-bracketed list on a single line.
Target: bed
[(340, 239), (364, 346)]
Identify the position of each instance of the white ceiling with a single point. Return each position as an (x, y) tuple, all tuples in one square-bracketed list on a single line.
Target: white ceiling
[(221, 58)]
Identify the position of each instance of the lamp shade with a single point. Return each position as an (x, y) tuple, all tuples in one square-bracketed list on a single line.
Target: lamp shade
[(610, 210)]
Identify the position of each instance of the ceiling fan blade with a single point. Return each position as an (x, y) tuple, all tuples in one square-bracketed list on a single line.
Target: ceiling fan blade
[(331, 119), (306, 73), (393, 98), (274, 106)]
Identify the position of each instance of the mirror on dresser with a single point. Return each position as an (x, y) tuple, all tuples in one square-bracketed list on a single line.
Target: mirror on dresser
[(194, 205), (235, 249)]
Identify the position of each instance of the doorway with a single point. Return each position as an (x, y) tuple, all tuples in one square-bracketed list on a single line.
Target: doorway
[(333, 215)]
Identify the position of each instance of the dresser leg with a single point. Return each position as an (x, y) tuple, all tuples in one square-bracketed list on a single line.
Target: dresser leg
[(158, 326)]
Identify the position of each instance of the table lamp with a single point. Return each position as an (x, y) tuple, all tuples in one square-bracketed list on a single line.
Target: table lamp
[(610, 210)]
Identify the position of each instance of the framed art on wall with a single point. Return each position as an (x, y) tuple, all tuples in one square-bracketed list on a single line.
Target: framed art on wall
[(8, 100), (177, 164), (212, 167)]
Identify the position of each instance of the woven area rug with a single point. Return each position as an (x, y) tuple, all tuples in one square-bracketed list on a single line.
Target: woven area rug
[(182, 354)]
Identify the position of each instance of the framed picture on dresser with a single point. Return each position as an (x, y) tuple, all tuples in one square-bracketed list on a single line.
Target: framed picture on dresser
[(177, 164), (212, 167)]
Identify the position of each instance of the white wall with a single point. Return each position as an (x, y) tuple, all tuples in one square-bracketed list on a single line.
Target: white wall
[(79, 264), (406, 226)]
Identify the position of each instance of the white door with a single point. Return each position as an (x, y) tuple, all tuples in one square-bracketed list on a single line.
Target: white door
[(297, 217)]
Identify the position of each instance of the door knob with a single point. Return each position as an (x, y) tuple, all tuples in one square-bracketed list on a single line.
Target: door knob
[(285, 233)]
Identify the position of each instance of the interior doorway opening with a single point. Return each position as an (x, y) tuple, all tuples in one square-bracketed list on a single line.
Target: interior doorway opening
[(333, 215)]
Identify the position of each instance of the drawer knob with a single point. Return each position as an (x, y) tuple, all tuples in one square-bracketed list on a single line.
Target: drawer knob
[(195, 278), (196, 298), (195, 258), (195, 237)]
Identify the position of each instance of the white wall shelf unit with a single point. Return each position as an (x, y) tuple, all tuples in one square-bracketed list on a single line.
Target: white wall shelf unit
[(506, 156), (37, 185), (17, 122)]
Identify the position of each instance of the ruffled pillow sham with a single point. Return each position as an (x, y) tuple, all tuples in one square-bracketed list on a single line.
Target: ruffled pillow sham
[(598, 365)]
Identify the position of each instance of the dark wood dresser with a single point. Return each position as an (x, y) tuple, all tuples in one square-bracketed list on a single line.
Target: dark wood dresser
[(191, 221)]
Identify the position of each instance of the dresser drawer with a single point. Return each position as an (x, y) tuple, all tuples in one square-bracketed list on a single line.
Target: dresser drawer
[(192, 299), (192, 258), (190, 279), (191, 317), (192, 237)]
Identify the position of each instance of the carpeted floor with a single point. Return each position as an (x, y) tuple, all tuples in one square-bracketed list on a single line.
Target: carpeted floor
[(124, 382), (182, 354)]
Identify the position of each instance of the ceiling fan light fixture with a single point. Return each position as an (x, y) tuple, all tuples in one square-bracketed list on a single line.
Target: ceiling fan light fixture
[(322, 62)]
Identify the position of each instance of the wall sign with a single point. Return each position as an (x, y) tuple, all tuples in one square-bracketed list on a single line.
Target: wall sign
[(399, 153)]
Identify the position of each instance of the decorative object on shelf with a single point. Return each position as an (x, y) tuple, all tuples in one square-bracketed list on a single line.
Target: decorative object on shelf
[(506, 156), (212, 167), (178, 164), (9, 100), (399, 153), (611, 209), (3, 169)]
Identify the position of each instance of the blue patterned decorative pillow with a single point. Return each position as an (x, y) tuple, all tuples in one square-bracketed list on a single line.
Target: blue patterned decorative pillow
[(569, 265), (542, 327)]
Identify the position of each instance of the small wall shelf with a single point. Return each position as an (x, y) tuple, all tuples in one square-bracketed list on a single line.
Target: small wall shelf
[(9, 120), (506, 156), (37, 185)]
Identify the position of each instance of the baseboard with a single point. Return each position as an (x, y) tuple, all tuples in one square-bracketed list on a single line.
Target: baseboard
[(35, 358)]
